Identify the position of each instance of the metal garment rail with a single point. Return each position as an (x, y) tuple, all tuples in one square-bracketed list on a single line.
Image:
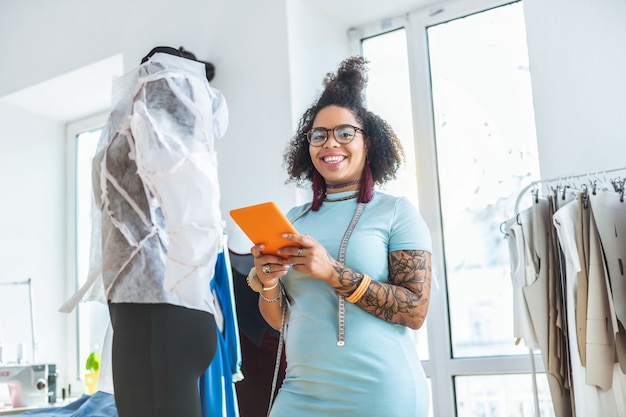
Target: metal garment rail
[(535, 184)]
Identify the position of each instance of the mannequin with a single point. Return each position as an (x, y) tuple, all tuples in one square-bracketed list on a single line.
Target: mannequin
[(157, 231)]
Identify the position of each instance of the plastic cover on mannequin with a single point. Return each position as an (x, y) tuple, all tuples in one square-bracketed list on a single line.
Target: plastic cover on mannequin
[(170, 128)]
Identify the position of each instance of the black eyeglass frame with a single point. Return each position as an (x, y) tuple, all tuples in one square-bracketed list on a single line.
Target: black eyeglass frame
[(334, 129)]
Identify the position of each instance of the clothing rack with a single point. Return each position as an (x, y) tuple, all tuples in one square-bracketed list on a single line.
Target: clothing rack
[(619, 187), (535, 184)]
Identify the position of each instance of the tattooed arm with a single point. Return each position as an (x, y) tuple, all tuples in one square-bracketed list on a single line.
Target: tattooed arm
[(404, 300)]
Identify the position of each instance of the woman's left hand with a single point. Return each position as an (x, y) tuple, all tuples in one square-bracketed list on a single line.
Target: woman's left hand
[(310, 258)]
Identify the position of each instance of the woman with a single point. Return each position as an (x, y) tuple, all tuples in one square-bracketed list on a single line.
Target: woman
[(358, 279)]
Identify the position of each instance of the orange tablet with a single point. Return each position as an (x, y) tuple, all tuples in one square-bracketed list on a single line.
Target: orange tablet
[(264, 224)]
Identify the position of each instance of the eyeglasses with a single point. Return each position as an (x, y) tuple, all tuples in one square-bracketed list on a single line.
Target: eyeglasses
[(342, 133)]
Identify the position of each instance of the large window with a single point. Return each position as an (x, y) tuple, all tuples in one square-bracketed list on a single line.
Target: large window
[(486, 153), (389, 78), (93, 318), (456, 87)]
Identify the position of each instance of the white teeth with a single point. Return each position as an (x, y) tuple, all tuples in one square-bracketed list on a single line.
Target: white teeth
[(333, 159)]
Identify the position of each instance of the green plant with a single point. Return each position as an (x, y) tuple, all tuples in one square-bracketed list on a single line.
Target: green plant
[(93, 362)]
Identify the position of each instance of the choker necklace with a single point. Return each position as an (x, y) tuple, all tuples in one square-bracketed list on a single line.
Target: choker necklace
[(345, 184), (349, 197)]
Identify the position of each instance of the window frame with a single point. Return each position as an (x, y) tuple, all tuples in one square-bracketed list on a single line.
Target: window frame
[(440, 368), (72, 130)]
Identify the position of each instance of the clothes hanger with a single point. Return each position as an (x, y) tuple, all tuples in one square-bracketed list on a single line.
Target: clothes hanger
[(535, 184)]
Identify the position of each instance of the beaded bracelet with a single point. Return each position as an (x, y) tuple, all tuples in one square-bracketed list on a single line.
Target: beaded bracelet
[(278, 297), (270, 300), (360, 290)]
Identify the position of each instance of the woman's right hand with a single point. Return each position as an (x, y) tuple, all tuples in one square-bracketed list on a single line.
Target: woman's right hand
[(269, 268)]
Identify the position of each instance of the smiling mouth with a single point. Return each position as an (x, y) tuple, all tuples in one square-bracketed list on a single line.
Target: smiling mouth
[(333, 159)]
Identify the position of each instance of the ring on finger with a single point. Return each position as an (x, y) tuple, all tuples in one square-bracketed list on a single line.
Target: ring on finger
[(299, 251), (266, 269)]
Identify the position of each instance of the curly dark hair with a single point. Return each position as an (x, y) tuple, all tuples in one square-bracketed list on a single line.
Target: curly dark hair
[(346, 88)]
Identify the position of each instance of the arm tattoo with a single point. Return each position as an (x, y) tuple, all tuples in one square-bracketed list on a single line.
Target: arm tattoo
[(404, 300)]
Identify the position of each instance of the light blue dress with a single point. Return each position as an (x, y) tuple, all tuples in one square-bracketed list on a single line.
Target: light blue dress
[(377, 372)]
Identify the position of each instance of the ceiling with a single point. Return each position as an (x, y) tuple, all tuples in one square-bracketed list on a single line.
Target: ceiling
[(63, 98)]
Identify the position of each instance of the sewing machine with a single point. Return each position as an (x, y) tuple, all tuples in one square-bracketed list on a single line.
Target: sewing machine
[(24, 383), (27, 385)]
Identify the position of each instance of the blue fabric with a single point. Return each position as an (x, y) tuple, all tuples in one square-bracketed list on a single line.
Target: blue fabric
[(100, 404), (217, 387)]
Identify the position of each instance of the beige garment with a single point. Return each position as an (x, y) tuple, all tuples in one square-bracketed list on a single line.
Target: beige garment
[(582, 236), (589, 400), (522, 274), (536, 296), (600, 328), (558, 360), (610, 217)]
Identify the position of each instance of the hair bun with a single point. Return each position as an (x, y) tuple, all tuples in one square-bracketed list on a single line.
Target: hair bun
[(346, 87)]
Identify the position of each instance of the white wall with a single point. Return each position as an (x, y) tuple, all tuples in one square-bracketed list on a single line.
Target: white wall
[(253, 62), (33, 225), (577, 60), (317, 44)]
